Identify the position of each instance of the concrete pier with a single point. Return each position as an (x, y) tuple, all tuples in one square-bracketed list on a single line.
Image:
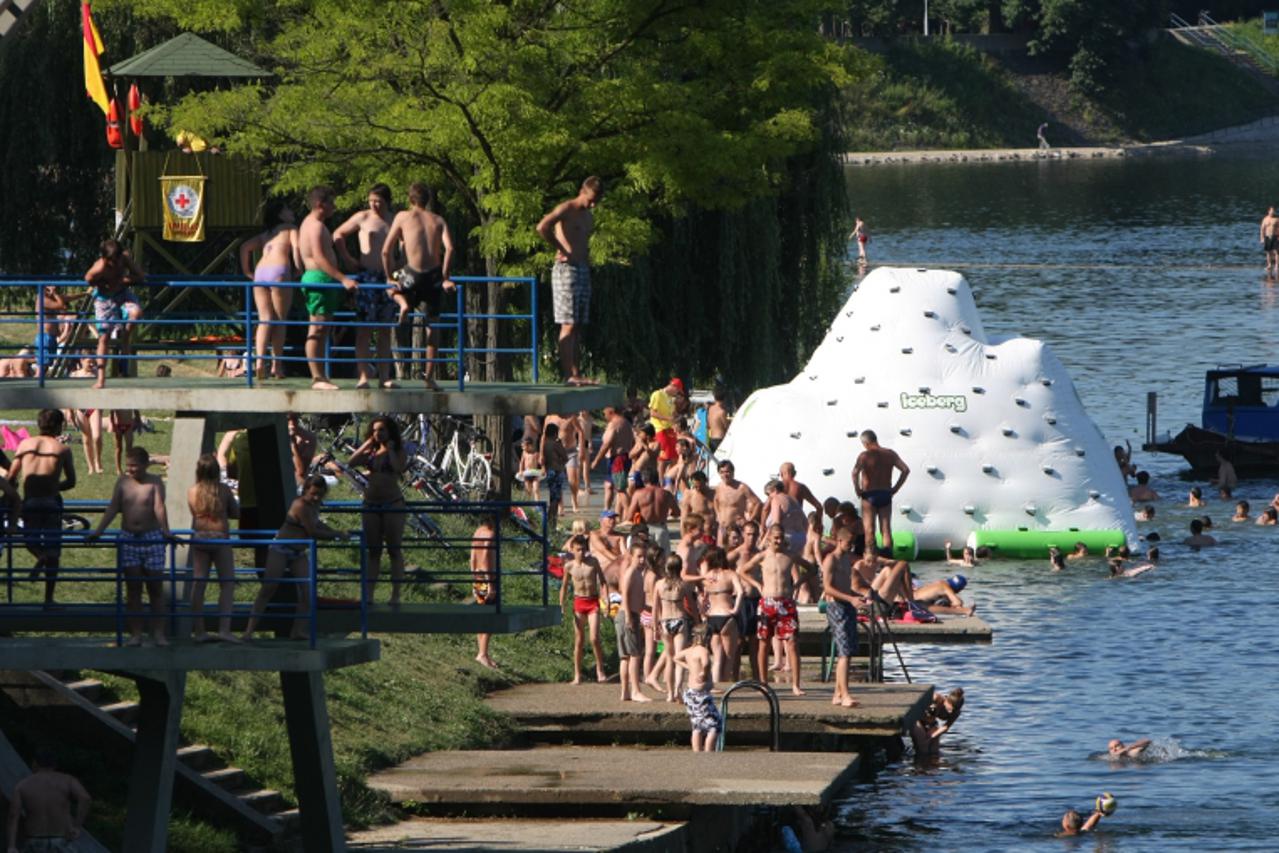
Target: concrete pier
[(813, 639)]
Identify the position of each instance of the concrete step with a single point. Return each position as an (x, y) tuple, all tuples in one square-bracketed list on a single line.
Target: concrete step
[(199, 757), (125, 712), (265, 801), (290, 821), (229, 778), (89, 688)]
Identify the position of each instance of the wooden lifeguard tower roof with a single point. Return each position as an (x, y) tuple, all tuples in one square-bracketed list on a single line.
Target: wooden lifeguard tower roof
[(186, 55)]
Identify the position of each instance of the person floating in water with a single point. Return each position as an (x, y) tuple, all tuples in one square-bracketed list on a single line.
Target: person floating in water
[(1142, 491), (1120, 750), (1197, 537), (1073, 823)]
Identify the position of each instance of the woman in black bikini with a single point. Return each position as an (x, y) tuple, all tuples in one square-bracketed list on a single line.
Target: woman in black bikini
[(212, 504), (724, 594), (382, 453)]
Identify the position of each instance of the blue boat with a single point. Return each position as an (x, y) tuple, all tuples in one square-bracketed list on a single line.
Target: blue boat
[(1240, 421)]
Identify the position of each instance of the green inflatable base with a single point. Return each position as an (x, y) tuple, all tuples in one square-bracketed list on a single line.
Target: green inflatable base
[(1021, 544), (905, 546)]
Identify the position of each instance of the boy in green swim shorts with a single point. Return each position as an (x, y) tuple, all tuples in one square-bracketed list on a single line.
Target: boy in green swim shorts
[(315, 255)]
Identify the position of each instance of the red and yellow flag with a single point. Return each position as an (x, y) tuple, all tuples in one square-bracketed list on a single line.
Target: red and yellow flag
[(93, 84)]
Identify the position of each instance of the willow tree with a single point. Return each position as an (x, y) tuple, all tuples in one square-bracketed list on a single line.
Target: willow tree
[(679, 105)]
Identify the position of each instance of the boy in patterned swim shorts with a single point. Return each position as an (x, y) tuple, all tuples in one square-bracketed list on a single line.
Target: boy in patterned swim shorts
[(777, 614), (841, 610), (138, 499), (703, 716)]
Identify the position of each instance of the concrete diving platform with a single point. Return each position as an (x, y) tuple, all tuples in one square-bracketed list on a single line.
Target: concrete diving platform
[(527, 835), (592, 713), (947, 629), (294, 394), (573, 779), (181, 655)]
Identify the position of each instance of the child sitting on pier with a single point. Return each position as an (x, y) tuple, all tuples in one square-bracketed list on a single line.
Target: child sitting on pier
[(138, 498), (302, 522), (586, 577), (702, 714)]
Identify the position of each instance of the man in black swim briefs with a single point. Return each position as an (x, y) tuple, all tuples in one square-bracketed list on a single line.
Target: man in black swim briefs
[(873, 482)]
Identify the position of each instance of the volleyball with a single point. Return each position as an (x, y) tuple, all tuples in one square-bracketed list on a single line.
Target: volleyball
[(1106, 803)]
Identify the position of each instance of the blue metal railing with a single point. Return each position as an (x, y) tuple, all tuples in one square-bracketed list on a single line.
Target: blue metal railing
[(245, 321)]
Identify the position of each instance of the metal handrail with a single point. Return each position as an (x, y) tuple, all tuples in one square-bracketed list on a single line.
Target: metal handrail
[(245, 320), (774, 712), (876, 598)]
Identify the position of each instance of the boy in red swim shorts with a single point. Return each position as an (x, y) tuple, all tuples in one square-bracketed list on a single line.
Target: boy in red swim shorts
[(586, 577), (777, 614)]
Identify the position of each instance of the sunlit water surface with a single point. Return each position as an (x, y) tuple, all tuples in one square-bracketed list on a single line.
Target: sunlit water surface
[(1140, 275)]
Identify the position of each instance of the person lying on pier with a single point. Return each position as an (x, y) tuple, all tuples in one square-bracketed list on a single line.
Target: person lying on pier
[(1119, 750), (1243, 512), (1226, 480), (721, 589), (1268, 517), (1197, 537), (212, 506), (1196, 498), (301, 522), (673, 620), (20, 366), (628, 626), (584, 574), (138, 498), (841, 611), (969, 556), (1073, 823), (1142, 491), (703, 716), (777, 614), (942, 596)]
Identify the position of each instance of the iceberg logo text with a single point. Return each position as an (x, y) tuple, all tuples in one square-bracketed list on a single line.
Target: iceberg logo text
[(957, 402)]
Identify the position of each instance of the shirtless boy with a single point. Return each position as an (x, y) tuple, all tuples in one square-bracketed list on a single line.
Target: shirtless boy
[(699, 498), (46, 468), (372, 304), (570, 436), (873, 482), (568, 229), (314, 254), (138, 499), (630, 633), (716, 421), (734, 500), (1270, 240), (113, 276), (777, 614), (841, 611), (615, 446), (41, 807), (554, 460), (1073, 823), (583, 573), (428, 255), (608, 548), (653, 505), (703, 716), (483, 567), (276, 265)]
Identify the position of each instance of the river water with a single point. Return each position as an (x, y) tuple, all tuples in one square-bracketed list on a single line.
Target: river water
[(1140, 274)]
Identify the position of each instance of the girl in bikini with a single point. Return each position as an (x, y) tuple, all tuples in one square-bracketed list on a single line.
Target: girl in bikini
[(383, 518), (724, 594), (212, 504), (302, 522), (279, 250), (671, 620)]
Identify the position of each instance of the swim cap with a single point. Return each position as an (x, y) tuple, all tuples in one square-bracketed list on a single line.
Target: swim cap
[(957, 582)]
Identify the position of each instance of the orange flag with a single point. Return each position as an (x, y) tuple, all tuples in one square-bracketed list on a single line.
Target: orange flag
[(93, 84)]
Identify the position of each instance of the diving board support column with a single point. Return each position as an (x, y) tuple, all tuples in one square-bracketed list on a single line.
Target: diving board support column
[(193, 434), (314, 775), (155, 758)]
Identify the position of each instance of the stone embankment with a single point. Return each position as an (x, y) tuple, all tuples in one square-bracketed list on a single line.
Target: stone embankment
[(1002, 155)]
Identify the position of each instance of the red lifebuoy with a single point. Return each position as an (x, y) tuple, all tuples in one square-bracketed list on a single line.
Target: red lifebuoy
[(114, 137), (135, 121)]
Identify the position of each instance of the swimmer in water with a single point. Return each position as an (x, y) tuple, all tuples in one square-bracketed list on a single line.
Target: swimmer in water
[(1196, 498), (1243, 512), (1120, 750), (1073, 823), (1056, 560), (1269, 517), (1197, 537), (1081, 551), (969, 556), (1146, 513)]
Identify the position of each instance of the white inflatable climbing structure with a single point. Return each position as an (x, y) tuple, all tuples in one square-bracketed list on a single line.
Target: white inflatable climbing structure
[(1000, 448)]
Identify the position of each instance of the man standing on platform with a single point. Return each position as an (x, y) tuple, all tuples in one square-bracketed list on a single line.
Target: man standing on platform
[(873, 482), (320, 267), (372, 305), (661, 414), (428, 252), (568, 229)]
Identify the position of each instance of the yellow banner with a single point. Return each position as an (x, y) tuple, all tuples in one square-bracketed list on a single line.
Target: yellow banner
[(183, 208)]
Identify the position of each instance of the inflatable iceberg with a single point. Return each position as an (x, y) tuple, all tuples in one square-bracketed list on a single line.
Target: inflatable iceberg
[(1000, 448)]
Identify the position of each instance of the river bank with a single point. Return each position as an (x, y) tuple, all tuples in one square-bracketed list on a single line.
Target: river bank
[(1000, 155)]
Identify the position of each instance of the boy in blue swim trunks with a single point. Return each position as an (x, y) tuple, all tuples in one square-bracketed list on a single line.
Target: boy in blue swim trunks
[(138, 499), (315, 255), (115, 306)]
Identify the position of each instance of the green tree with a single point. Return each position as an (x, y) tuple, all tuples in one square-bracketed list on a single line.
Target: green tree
[(505, 107)]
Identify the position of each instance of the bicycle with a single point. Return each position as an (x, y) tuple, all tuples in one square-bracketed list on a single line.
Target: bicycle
[(464, 464)]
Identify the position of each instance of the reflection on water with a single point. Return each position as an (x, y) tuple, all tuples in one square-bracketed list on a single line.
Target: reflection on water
[(1140, 275)]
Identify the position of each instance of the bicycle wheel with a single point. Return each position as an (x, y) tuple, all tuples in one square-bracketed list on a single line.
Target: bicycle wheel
[(475, 478), (71, 523)]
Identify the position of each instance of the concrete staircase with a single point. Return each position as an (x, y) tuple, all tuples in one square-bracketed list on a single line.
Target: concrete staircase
[(221, 793), (1246, 55)]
